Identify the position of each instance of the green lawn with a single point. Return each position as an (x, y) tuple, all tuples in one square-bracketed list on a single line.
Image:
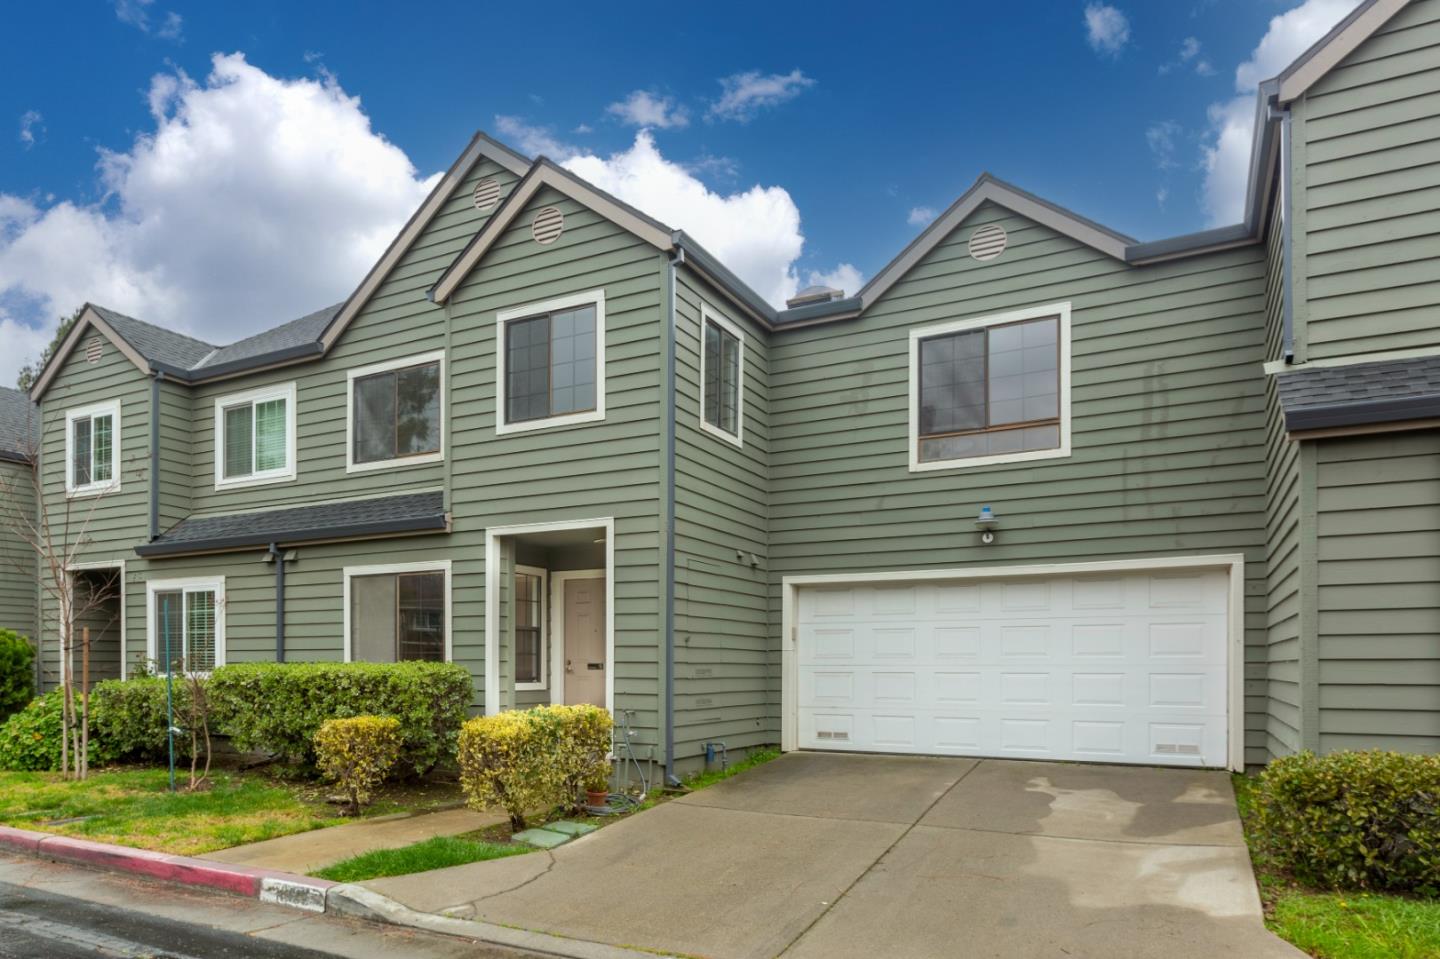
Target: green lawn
[(133, 807), (436, 853), (1340, 925)]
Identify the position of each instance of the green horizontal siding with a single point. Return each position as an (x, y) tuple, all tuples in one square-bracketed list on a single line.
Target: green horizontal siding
[(17, 558), (1369, 142), (1378, 563), (1168, 426)]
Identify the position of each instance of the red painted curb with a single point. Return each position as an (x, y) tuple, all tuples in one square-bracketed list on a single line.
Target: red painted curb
[(186, 870)]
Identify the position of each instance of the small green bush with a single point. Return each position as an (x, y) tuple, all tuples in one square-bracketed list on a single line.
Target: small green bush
[(279, 707), (357, 753), (1354, 820), (17, 673), (532, 759), (130, 717), (30, 739)]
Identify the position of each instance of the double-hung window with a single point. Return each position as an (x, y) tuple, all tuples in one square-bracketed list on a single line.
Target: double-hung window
[(722, 375), (92, 449), (397, 613), (530, 636), (991, 390), (255, 437), (397, 413), (186, 624), (551, 363)]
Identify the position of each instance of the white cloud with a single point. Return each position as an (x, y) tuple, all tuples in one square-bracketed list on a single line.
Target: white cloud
[(1226, 153), (920, 215), (1106, 29), (1189, 55), (845, 278), (532, 139), (645, 109), (746, 94), (253, 200), (755, 232), (136, 13), (32, 127), (1161, 139)]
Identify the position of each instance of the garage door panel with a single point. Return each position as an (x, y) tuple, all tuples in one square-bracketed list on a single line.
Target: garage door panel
[(1119, 669)]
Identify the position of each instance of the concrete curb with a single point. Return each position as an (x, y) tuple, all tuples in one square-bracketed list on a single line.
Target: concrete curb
[(300, 892), (355, 901)]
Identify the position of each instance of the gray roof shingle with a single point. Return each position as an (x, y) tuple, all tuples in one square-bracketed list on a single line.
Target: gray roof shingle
[(301, 332), (154, 342), (19, 425), (1360, 393), (352, 519)]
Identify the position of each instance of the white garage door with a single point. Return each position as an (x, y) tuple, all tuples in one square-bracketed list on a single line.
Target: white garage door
[(1126, 668)]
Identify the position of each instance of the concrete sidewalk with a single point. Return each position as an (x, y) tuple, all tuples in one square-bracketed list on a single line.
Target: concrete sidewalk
[(306, 852), (849, 857)]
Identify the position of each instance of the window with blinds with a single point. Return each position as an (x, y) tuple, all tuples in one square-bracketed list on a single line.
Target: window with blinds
[(186, 628), (254, 433), (397, 616), (92, 441)]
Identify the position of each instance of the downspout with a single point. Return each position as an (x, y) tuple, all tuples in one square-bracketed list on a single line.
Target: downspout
[(155, 379), (1287, 226), (669, 402), (278, 558)]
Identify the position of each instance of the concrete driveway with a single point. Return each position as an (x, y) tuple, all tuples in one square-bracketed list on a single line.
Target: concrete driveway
[(838, 856)]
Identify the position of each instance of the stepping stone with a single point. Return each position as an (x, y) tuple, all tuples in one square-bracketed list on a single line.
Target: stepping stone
[(570, 828), (542, 838)]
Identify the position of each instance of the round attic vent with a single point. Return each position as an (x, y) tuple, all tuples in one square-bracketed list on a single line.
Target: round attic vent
[(487, 194), (547, 225), (987, 242)]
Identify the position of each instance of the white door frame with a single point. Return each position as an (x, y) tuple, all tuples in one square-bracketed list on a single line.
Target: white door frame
[(1233, 563), (493, 535), (124, 608), (558, 579)]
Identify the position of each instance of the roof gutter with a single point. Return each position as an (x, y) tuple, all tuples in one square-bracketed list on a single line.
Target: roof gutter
[(245, 541), (290, 354)]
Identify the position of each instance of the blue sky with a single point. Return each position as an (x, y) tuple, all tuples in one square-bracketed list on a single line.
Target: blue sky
[(141, 153)]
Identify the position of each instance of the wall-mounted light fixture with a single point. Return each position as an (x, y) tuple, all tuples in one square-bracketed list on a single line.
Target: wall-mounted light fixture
[(986, 523)]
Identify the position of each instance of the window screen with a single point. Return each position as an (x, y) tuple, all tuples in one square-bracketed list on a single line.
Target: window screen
[(397, 616), (397, 413), (989, 391), (722, 378), (550, 365)]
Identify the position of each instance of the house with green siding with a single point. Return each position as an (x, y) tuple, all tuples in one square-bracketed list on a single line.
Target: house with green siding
[(19, 422), (1036, 490)]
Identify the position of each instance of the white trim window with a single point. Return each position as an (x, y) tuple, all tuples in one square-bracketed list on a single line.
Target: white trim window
[(532, 636), (550, 363), (995, 389), (397, 612), (722, 377), (92, 449), (255, 437), (190, 614), (395, 413)]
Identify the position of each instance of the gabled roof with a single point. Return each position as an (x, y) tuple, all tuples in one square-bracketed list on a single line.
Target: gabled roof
[(1307, 69), (155, 343), (542, 173), (1358, 394), (349, 519), (19, 426)]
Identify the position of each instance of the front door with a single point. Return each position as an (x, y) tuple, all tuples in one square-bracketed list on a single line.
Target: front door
[(584, 612)]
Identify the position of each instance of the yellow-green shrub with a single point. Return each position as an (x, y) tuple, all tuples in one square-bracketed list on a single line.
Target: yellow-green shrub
[(357, 753), (1358, 820), (527, 760)]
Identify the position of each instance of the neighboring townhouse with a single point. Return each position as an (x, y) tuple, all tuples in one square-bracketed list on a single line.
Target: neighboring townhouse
[(1036, 490), (19, 434)]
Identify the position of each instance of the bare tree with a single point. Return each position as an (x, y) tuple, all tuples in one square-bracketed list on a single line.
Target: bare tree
[(57, 538)]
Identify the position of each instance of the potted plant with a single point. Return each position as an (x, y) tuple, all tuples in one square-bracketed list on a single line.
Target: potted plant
[(597, 786)]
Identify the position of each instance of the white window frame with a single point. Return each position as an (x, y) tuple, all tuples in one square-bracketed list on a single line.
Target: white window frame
[(112, 409), (279, 391), (1060, 310), (709, 315), (594, 298), (425, 566), (196, 584), (544, 575), (399, 462)]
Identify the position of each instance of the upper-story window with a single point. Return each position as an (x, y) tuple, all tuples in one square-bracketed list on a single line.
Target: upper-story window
[(255, 437), (92, 449), (991, 390), (722, 375), (397, 413), (550, 362)]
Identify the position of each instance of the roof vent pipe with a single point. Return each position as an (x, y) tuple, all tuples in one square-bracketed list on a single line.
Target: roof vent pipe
[(814, 294)]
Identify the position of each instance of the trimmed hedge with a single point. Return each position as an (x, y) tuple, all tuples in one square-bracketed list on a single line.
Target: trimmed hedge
[(279, 707), (1354, 820), (129, 716), (30, 739), (17, 673)]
